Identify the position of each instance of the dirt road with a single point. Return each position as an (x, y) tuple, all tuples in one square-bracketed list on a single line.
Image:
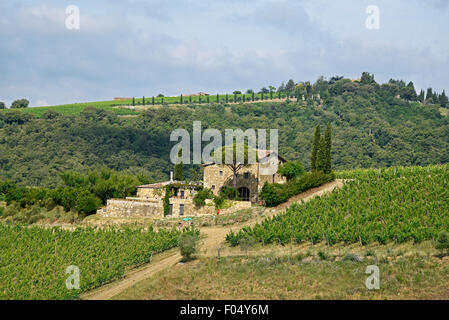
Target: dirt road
[(213, 238)]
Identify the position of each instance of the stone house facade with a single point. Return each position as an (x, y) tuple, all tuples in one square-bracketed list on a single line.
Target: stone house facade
[(249, 180), (149, 201)]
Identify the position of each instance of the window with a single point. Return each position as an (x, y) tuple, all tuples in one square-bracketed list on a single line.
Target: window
[(213, 187), (181, 209), (170, 212), (221, 173), (246, 175), (181, 193)]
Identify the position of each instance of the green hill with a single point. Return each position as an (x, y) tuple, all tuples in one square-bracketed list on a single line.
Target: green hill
[(371, 128)]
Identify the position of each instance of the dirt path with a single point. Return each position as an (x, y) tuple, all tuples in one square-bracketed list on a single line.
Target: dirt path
[(213, 238)]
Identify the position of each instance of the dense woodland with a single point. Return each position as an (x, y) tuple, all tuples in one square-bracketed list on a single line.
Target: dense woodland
[(373, 126)]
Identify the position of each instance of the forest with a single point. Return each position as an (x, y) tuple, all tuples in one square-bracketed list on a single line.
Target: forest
[(374, 125)]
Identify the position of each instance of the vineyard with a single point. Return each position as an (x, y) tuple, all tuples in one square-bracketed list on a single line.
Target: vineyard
[(396, 204), (33, 261)]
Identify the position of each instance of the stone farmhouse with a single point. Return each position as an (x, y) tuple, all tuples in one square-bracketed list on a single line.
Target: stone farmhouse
[(149, 201)]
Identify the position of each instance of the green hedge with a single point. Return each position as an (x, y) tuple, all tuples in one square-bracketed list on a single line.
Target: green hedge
[(275, 193)]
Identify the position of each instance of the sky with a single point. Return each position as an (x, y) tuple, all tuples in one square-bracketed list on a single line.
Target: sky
[(126, 48)]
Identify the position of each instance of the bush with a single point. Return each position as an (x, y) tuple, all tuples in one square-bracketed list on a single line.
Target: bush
[(292, 170), (200, 197), (187, 243), (442, 242), (230, 193), (276, 193)]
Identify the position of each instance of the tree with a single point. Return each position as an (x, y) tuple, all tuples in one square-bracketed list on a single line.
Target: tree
[(272, 89), (291, 170), (409, 93), (237, 92), (321, 155), (290, 85), (264, 90), (315, 148), (281, 87), (2, 105), (250, 91), (421, 96), (21, 103), (328, 149), (429, 94), (444, 100), (187, 243), (235, 165), (367, 78), (178, 175)]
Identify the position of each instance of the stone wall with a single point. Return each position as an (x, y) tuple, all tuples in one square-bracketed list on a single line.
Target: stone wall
[(135, 207), (132, 208)]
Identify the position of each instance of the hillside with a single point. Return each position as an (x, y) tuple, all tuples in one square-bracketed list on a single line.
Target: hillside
[(371, 128), (385, 205)]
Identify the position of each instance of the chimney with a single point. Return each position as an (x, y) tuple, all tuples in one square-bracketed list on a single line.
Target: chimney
[(171, 176)]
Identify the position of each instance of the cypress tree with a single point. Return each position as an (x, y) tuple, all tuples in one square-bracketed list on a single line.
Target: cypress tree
[(421, 96), (207, 98), (271, 95), (178, 174), (253, 95), (321, 155), (243, 98), (226, 98), (429, 94), (152, 100), (444, 101), (180, 99), (134, 101), (190, 99), (218, 98), (143, 100), (315, 148), (328, 149)]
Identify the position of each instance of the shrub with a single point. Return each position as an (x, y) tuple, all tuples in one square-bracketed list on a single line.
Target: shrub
[(219, 201), (442, 242), (323, 255), (200, 197), (276, 193), (291, 170), (187, 243), (230, 193)]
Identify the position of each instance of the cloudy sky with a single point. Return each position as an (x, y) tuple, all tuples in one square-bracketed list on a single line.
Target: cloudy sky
[(145, 47)]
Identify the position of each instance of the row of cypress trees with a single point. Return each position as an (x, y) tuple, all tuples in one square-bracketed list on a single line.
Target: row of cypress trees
[(321, 159)]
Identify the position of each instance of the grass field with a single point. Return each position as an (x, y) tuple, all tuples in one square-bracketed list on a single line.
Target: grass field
[(114, 105), (406, 272)]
